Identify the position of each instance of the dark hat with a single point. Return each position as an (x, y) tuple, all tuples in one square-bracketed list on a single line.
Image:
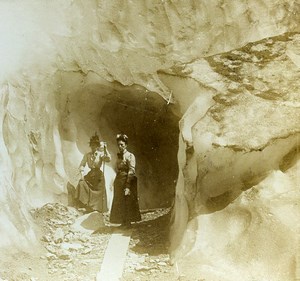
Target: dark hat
[(94, 139)]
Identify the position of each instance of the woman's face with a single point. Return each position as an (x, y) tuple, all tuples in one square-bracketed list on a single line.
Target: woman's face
[(122, 145)]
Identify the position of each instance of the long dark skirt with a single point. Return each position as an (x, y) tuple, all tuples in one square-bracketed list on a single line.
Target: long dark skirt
[(125, 208), (90, 192)]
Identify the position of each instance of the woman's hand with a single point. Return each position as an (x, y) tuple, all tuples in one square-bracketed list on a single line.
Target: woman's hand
[(127, 191)]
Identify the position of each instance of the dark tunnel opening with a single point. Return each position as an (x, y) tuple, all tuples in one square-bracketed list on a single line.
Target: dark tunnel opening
[(151, 126), (153, 134)]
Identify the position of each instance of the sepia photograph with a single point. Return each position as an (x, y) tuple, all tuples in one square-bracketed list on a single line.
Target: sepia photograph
[(150, 140)]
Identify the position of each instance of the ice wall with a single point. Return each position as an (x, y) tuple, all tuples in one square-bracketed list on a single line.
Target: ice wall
[(51, 49), (240, 171)]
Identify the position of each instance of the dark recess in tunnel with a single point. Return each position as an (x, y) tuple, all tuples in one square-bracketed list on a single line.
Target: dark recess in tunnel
[(153, 132), (147, 119)]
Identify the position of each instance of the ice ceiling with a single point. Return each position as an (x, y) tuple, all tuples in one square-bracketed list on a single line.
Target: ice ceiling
[(226, 71)]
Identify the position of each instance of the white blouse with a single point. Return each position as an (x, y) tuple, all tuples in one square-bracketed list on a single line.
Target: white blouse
[(94, 160)]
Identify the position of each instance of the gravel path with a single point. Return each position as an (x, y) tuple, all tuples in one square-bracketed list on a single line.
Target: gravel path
[(73, 246)]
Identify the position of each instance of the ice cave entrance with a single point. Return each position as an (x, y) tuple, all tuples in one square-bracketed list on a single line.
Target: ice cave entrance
[(150, 123)]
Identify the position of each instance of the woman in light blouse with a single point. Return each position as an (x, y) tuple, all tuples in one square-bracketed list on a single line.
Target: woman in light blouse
[(125, 208)]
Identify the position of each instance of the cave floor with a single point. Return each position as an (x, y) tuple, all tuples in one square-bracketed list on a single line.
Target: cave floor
[(71, 253)]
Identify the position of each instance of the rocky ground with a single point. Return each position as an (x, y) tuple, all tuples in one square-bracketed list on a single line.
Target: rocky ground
[(73, 247)]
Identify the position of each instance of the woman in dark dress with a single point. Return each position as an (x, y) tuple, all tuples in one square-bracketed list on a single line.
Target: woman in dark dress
[(125, 208), (90, 191)]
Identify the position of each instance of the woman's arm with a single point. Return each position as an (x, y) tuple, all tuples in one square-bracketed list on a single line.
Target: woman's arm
[(106, 155), (130, 160)]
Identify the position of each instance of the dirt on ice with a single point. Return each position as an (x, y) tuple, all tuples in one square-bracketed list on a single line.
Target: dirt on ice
[(73, 244)]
